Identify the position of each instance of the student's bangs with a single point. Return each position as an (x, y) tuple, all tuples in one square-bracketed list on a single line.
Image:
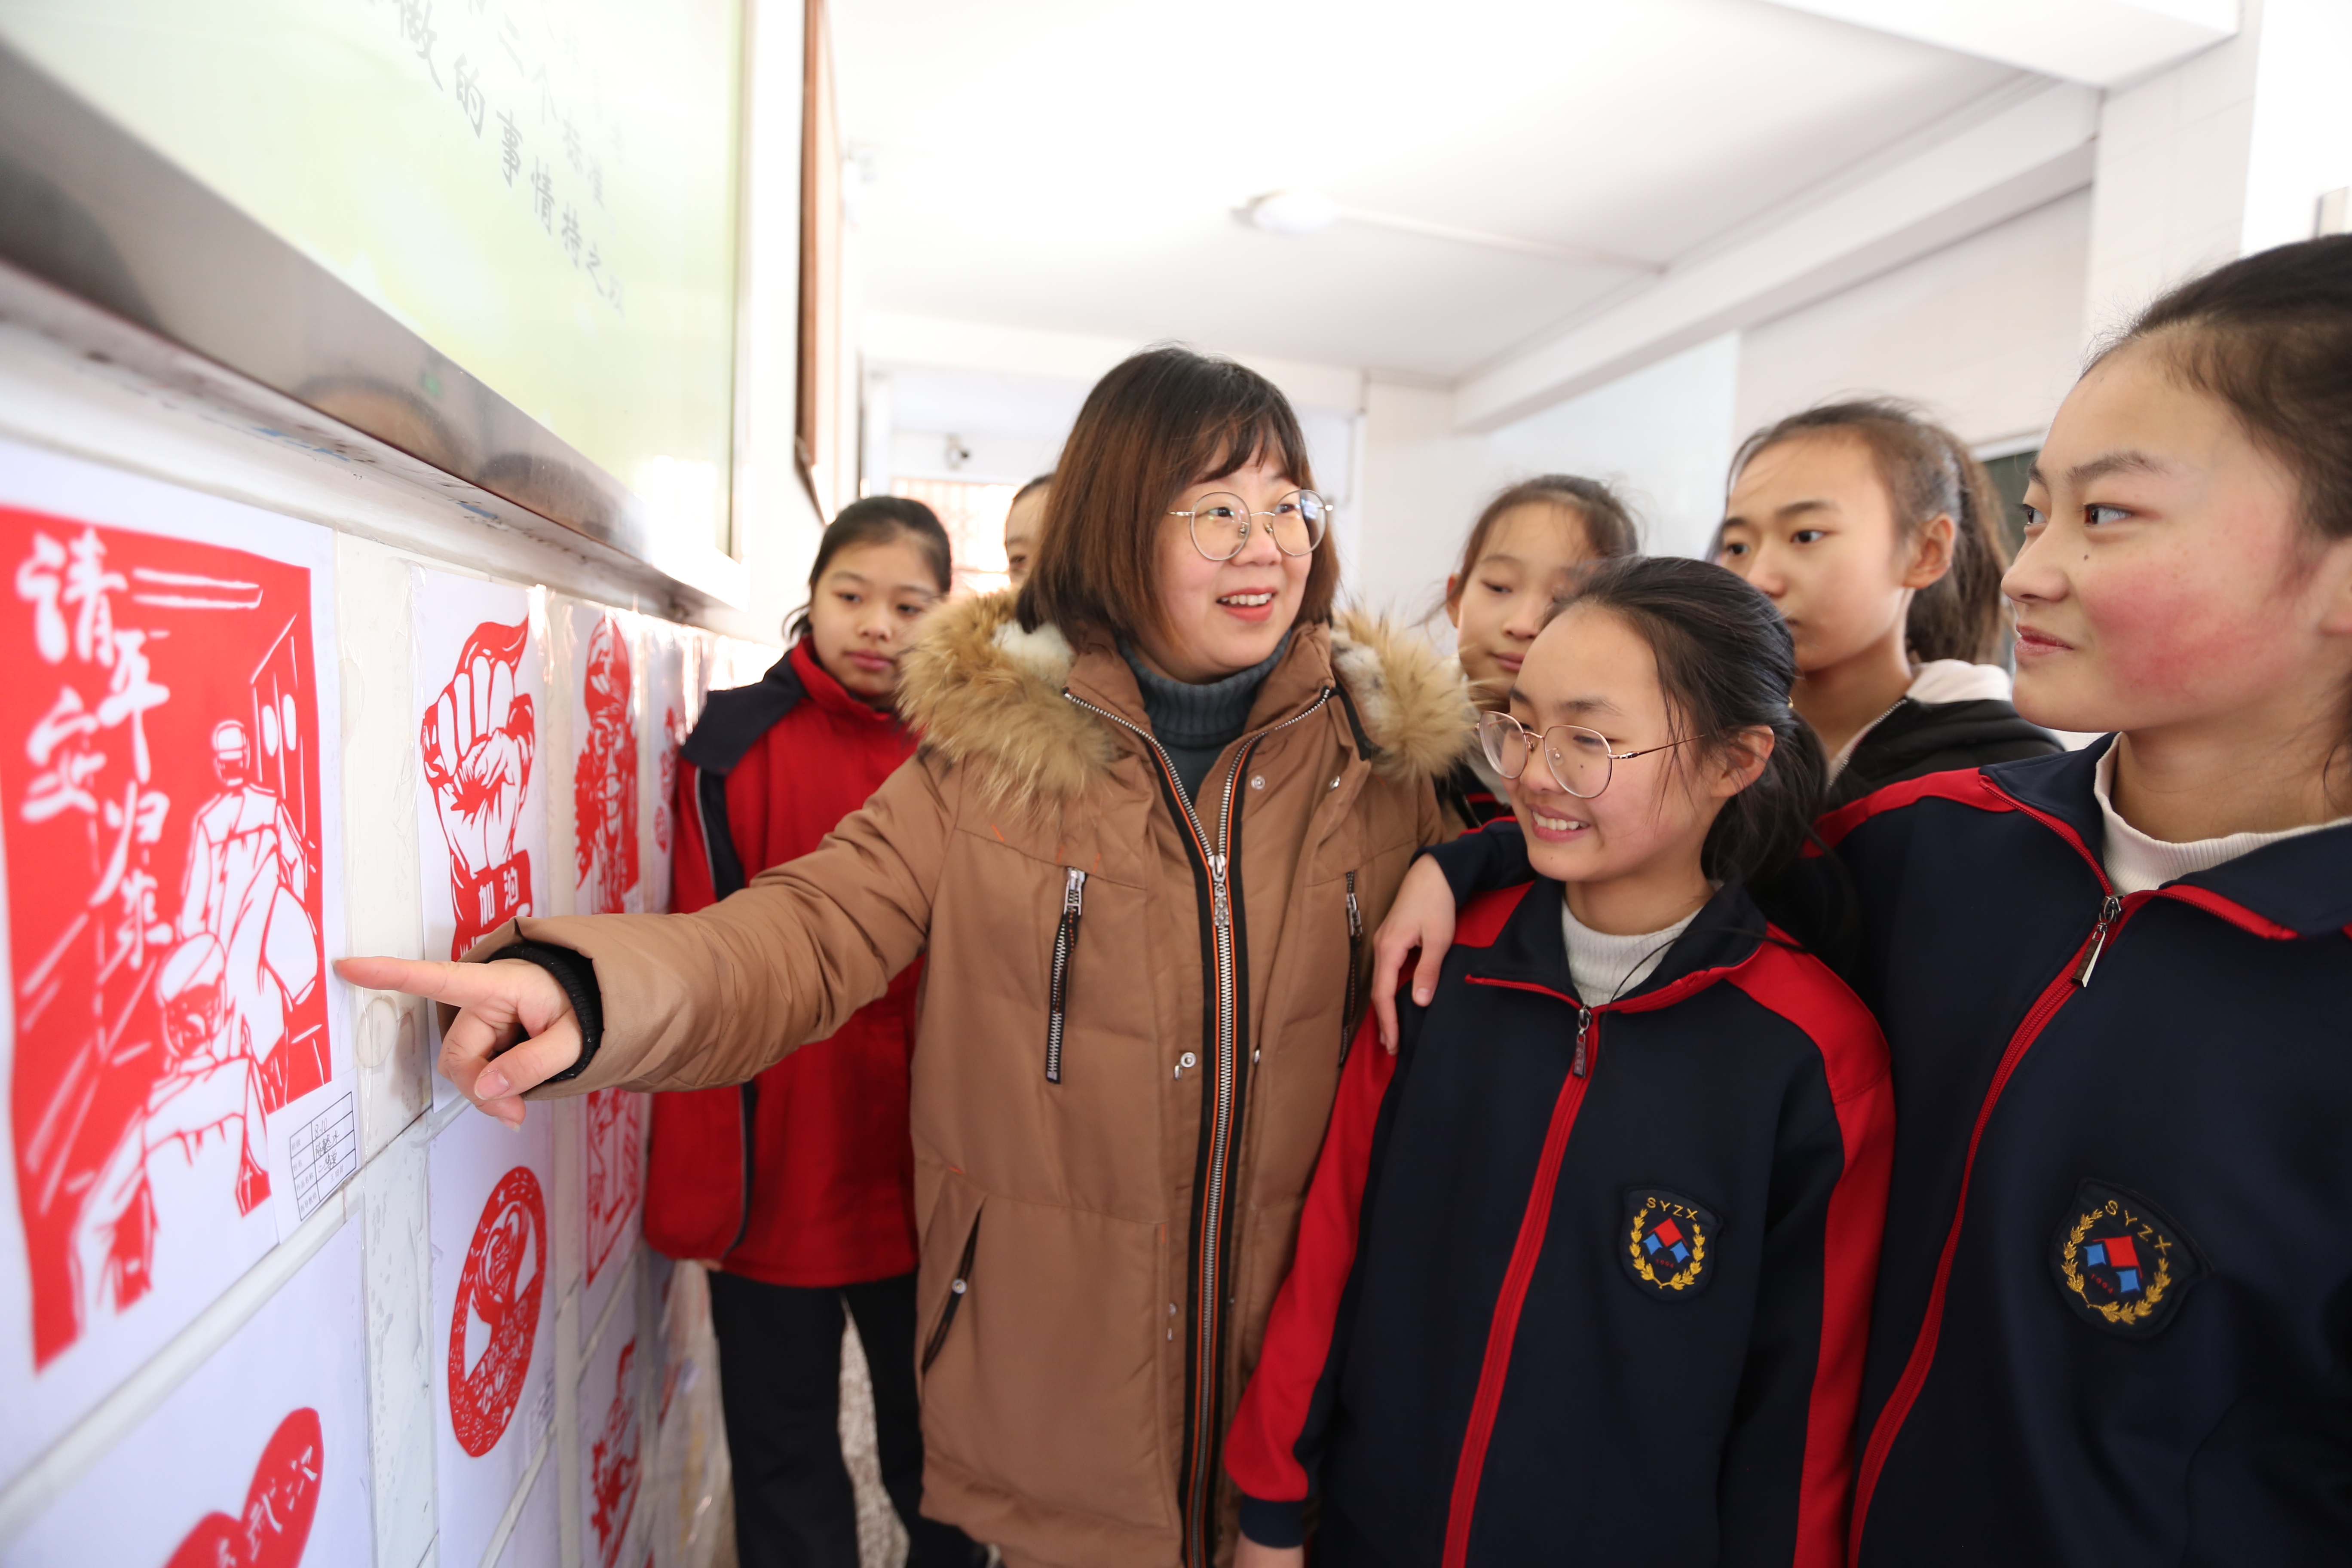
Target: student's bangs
[(1158, 425)]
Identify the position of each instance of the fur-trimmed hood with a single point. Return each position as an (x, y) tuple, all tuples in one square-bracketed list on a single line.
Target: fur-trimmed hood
[(981, 691)]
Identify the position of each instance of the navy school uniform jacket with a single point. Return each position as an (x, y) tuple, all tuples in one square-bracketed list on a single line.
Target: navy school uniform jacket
[(1591, 1279), (2114, 1320)]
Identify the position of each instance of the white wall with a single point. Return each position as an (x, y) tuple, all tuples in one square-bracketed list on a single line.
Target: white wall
[(78, 383), (1987, 334), (2222, 156), (1661, 435)]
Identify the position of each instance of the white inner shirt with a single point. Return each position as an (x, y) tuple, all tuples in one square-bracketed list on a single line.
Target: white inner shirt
[(2137, 863), (1937, 680), (1605, 967)]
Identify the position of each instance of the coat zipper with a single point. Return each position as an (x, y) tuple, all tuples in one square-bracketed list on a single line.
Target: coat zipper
[(1057, 991), (1527, 1252), (2110, 911), (1209, 1286), (1355, 970), (2061, 989)]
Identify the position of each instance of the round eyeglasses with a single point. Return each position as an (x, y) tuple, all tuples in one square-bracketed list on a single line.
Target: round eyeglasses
[(1221, 523), (1580, 759)]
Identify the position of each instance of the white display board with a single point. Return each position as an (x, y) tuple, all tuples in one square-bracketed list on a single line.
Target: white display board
[(478, 681), (672, 660), (494, 1299), (599, 673), (175, 1048), (537, 1539), (612, 1460), (260, 1459)]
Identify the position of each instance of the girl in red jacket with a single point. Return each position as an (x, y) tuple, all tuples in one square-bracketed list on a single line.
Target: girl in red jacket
[(799, 1185)]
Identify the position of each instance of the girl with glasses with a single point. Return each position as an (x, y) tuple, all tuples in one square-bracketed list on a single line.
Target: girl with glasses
[(2111, 1314), (1586, 1263), (1528, 547), (1162, 793), (1872, 531)]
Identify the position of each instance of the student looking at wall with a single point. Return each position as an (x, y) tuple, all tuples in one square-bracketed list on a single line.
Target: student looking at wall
[(799, 1185)]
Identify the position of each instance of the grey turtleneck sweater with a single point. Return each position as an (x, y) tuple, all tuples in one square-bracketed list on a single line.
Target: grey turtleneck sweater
[(1194, 723)]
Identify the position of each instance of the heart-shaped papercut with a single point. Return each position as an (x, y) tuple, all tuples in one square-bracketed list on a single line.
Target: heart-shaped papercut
[(278, 1505)]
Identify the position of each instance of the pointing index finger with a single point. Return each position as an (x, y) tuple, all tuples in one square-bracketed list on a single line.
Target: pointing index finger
[(459, 984)]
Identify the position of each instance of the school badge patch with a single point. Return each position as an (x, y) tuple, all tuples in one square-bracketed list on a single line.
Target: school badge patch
[(1667, 1240), (2120, 1264)]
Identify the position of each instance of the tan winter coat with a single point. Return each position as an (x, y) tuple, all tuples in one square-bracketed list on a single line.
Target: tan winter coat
[(1079, 1188)]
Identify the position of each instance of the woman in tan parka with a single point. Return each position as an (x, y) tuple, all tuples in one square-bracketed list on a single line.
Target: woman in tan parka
[(1160, 799)]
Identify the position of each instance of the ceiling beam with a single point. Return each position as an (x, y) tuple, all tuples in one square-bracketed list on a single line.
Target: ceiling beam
[(2036, 149), (2103, 43)]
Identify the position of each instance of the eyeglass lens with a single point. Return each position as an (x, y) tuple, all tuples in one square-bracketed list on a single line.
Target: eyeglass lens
[(1579, 758), (1222, 523)]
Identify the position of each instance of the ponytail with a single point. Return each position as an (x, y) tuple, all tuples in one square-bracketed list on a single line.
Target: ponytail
[(1928, 473), (1725, 663)]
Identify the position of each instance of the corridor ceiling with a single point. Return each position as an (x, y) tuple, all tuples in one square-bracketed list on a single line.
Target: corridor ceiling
[(1076, 164)]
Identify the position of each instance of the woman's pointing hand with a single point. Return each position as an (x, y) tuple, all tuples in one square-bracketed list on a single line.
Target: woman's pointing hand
[(514, 1028)]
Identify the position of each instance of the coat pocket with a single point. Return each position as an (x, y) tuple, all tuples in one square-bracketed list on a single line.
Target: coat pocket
[(1046, 1382), (949, 1255), (959, 1286)]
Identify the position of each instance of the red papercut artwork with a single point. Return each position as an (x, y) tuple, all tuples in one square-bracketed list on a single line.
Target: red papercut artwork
[(478, 742), (615, 1132), (278, 1505), (497, 1316), (165, 897), (613, 1465), (604, 776), (673, 736)]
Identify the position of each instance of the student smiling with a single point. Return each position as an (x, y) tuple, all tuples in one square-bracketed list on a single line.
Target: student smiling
[(1608, 1214), (2111, 1319)]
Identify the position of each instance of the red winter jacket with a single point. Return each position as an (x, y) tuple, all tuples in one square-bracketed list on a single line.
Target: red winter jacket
[(823, 1193)]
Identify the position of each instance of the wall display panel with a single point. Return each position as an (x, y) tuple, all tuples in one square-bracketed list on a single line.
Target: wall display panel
[(175, 1048), (674, 660), (493, 1347), (536, 1540), (686, 1478), (542, 193), (600, 679), (611, 1188), (260, 1460), (478, 681), (612, 1469), (600, 657)]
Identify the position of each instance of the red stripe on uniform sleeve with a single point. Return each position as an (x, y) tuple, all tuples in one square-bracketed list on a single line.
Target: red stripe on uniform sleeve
[(1262, 1451), (1483, 919), (1966, 785), (1853, 1061)]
